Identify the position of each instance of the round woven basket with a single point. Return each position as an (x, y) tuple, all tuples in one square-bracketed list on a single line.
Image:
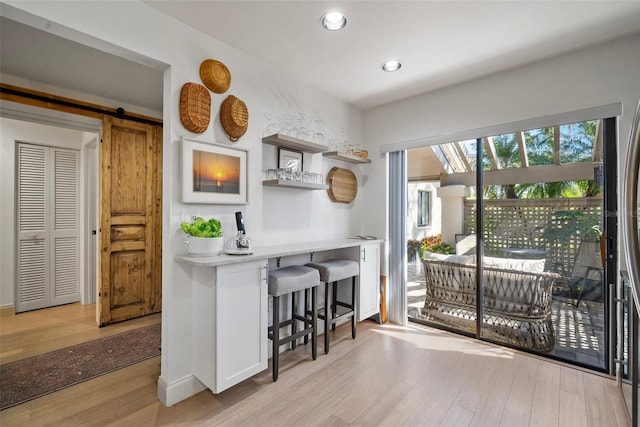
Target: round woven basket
[(343, 185), (215, 75), (195, 107), (234, 117)]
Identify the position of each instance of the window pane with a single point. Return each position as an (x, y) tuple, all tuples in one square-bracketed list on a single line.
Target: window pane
[(577, 141), (423, 208), (507, 153)]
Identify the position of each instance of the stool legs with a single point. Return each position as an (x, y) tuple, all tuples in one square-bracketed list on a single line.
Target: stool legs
[(306, 310), (309, 328), (334, 305), (327, 319), (276, 337), (314, 320), (293, 318), (331, 309), (354, 302)]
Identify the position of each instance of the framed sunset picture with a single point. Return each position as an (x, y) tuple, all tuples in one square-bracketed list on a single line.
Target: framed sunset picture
[(213, 173)]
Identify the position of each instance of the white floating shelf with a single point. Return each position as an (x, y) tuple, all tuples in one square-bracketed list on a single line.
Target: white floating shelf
[(345, 157), (294, 184), (292, 143)]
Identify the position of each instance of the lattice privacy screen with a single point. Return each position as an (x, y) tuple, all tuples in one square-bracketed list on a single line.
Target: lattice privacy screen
[(557, 226)]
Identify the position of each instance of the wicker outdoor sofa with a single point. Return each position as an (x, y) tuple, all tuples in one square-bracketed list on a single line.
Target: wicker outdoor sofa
[(517, 303)]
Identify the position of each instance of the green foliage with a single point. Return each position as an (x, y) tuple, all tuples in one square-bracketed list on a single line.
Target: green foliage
[(539, 143), (507, 153), (576, 143), (442, 248), (435, 244), (553, 190), (428, 244), (201, 228)]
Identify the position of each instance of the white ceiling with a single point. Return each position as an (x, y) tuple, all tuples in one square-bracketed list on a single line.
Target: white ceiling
[(440, 43), (39, 56)]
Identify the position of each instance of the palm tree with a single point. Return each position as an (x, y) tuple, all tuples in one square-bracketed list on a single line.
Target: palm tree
[(576, 145), (551, 190)]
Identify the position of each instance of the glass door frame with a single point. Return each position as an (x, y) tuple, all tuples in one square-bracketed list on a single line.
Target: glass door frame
[(609, 224)]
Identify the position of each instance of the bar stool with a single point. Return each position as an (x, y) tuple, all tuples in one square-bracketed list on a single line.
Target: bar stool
[(290, 280), (332, 272)]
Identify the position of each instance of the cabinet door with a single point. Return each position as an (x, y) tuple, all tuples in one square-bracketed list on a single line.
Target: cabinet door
[(241, 322), (369, 286)]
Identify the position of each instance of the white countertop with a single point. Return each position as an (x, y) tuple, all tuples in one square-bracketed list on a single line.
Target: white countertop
[(275, 251)]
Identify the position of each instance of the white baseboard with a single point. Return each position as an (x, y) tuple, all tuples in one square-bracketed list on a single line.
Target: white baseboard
[(177, 391)]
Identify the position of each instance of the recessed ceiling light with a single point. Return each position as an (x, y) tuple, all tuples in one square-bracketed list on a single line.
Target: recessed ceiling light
[(333, 21), (392, 65)]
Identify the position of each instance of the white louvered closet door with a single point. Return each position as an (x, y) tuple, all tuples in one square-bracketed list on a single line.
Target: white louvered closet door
[(48, 227)]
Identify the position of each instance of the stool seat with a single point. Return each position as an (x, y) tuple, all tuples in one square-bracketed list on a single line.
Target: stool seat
[(292, 279), (337, 269)]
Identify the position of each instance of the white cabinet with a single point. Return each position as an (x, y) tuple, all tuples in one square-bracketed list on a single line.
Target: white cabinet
[(369, 283), (229, 323)]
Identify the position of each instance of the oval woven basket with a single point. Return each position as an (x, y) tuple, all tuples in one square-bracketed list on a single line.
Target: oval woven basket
[(234, 117), (195, 107), (343, 185), (215, 75)]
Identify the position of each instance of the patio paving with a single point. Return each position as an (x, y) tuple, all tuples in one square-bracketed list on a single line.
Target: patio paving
[(579, 331)]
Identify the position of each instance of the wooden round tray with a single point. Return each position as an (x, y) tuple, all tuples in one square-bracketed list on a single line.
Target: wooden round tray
[(343, 185)]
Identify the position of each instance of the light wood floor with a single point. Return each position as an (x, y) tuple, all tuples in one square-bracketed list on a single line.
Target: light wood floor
[(389, 375), (39, 331)]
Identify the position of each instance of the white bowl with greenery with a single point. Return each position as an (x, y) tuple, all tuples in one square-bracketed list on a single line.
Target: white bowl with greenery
[(204, 237)]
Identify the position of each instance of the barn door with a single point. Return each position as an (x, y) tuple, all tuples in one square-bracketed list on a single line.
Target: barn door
[(48, 230), (130, 220)]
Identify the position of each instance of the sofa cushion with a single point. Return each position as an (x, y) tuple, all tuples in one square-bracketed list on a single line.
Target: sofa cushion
[(532, 265), (456, 259)]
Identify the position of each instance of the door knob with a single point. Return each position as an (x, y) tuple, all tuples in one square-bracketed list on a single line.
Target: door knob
[(32, 235)]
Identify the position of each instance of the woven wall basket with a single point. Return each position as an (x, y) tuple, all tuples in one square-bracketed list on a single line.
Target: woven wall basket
[(234, 117), (343, 185), (195, 107), (215, 75)]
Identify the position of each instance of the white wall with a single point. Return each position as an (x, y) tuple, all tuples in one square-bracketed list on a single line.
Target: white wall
[(10, 132), (273, 215), (413, 231), (591, 77)]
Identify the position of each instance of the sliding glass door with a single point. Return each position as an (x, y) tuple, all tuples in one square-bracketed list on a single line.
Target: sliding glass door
[(513, 252), (543, 270)]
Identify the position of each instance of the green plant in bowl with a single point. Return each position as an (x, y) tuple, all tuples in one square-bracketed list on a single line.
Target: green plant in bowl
[(199, 227)]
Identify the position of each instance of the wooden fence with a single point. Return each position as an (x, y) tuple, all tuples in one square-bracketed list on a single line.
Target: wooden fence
[(557, 226)]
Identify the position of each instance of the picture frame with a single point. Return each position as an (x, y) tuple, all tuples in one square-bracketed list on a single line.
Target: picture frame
[(213, 173), (289, 159)]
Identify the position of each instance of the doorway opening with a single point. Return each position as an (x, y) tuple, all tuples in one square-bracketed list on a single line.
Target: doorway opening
[(73, 243)]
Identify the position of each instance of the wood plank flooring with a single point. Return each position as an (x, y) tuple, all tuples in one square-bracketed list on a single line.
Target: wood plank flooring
[(39, 331), (390, 376)]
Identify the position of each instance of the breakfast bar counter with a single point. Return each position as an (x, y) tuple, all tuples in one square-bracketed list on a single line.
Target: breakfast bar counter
[(276, 251), (231, 306)]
